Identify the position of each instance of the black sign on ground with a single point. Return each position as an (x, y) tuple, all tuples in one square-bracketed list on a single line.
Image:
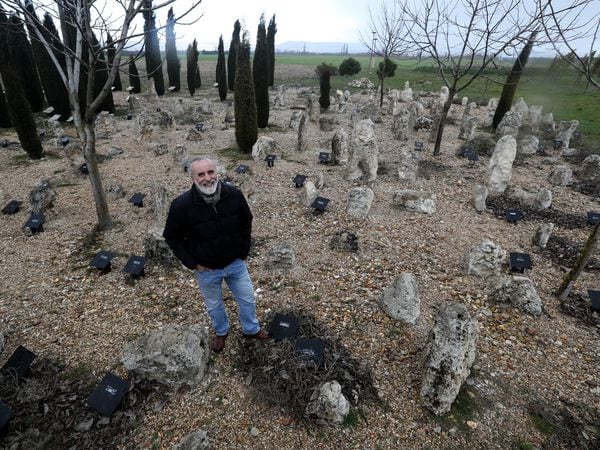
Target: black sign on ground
[(270, 159), (108, 394), (513, 215), (5, 143), (593, 217), (319, 204), (199, 126), (324, 157), (12, 207), (299, 180), (83, 168), (19, 364), (311, 350), (129, 116), (594, 299), (35, 223), (135, 266), (5, 415), (137, 199), (472, 156), (519, 262), (241, 169), (418, 145), (284, 327), (102, 261), (64, 140), (557, 144)]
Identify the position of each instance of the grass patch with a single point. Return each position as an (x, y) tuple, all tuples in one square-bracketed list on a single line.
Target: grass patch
[(233, 153), (466, 406), (352, 419)]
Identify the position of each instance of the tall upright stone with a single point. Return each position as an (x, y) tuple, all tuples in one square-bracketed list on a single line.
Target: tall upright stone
[(365, 152), (500, 165), (339, 147), (566, 128)]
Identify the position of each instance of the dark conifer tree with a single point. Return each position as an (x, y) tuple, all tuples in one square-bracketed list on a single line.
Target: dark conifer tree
[(173, 64), (24, 61), (260, 73), (246, 129), (221, 76), (134, 77), (4, 114), (111, 57), (192, 67), (324, 71), (198, 78), (232, 56), (271, 30), (18, 106), (101, 77), (152, 52)]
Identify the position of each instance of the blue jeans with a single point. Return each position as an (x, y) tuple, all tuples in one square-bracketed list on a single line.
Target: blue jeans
[(238, 279)]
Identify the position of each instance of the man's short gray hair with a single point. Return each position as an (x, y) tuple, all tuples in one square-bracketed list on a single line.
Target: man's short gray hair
[(203, 158)]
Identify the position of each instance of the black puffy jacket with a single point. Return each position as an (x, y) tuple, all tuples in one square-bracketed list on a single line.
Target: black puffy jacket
[(210, 235)]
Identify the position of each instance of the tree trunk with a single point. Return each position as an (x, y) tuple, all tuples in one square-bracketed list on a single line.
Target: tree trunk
[(89, 153), (381, 78), (584, 256), (512, 81), (440, 131)]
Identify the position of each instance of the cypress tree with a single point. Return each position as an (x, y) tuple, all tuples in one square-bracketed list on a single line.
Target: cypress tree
[(260, 73), (246, 129), (24, 61), (101, 69), (197, 78), (153, 58), (324, 71), (192, 67), (134, 77), (271, 30), (221, 76), (232, 56), (4, 114), (18, 106), (173, 64), (111, 57), (70, 40)]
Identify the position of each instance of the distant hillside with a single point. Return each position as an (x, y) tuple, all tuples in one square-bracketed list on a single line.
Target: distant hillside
[(320, 47)]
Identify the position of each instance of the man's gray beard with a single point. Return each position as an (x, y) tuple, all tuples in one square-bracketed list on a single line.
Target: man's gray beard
[(208, 191)]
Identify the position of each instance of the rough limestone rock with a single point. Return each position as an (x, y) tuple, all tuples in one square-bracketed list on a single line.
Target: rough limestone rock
[(359, 202), (500, 165), (295, 119), (450, 354), (401, 124), (416, 201), (344, 241), (561, 176), (408, 165), (176, 355), (542, 234), (485, 259), (157, 249), (528, 145), (589, 174), (263, 146), (541, 199), (339, 147), (302, 144), (364, 152), (401, 300), (42, 197), (309, 193), (510, 124), (328, 403), (480, 193), (517, 291), (106, 125), (314, 108), (535, 117), (566, 128), (281, 256), (198, 440), (521, 107), (468, 127), (162, 119)]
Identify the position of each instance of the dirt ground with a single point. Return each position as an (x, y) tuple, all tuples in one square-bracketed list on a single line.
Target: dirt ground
[(535, 381)]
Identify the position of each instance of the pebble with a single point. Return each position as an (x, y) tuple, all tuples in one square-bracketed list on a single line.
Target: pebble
[(471, 424), (254, 431)]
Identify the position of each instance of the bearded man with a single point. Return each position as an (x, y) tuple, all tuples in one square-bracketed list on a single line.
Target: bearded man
[(208, 228)]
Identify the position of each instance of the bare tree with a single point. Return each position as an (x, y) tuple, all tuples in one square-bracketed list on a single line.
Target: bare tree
[(572, 23), (464, 38), (83, 21)]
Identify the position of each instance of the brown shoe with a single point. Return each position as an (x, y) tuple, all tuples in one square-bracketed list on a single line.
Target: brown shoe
[(218, 343), (262, 335)]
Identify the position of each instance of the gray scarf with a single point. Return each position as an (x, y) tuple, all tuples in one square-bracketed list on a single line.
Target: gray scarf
[(211, 199)]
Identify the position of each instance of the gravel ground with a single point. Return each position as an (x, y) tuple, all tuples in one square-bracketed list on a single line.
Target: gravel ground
[(535, 380)]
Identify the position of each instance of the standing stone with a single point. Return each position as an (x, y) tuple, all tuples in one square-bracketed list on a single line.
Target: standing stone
[(302, 134), (198, 440), (548, 121), (517, 291), (480, 193), (359, 201), (444, 94), (41, 197), (401, 300), (314, 108), (406, 95), (176, 355), (561, 176), (535, 117), (468, 128), (450, 355), (543, 199), (106, 125), (542, 234), (339, 147), (490, 111), (415, 201), (589, 174), (521, 107), (392, 100), (408, 165), (309, 193), (485, 259), (281, 257), (364, 152), (500, 165), (528, 145), (263, 146), (280, 101), (566, 128), (401, 123), (157, 249), (295, 119), (328, 403), (464, 101), (510, 124)]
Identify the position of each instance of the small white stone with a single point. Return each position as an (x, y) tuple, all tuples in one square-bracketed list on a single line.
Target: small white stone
[(254, 431)]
